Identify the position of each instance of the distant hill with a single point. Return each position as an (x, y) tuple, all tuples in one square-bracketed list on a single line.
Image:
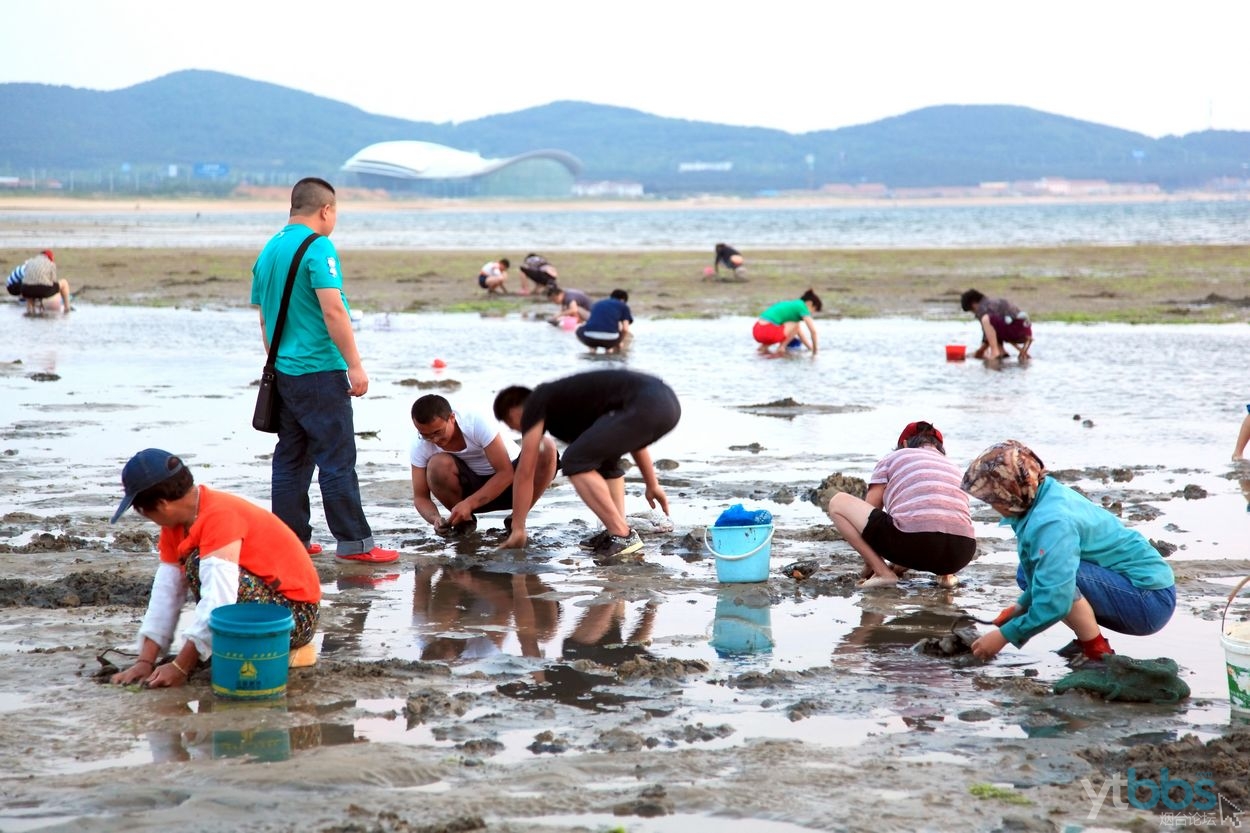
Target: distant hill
[(268, 134)]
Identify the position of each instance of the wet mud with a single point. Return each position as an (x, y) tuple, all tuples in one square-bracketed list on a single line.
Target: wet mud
[(470, 688)]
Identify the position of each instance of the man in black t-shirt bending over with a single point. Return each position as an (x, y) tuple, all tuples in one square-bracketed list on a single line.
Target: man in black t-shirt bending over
[(602, 415)]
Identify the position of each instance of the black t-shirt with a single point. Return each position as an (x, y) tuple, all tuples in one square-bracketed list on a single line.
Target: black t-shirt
[(570, 405)]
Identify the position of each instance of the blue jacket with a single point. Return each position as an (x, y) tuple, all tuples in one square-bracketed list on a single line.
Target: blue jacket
[(1062, 529)]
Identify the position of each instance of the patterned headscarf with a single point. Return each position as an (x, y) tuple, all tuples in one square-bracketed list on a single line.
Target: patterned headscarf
[(1008, 474)]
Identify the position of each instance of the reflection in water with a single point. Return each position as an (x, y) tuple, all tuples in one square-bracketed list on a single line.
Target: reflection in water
[(1244, 482), (466, 614), (742, 625), (256, 744), (345, 637), (599, 637)]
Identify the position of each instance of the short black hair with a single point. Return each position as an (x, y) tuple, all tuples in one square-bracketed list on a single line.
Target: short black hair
[(309, 194), (171, 488), (504, 262), (970, 298), (509, 398), (810, 295), (430, 407), (620, 295)]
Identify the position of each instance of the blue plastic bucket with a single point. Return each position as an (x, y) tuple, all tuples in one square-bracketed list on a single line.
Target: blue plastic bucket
[(740, 628), (742, 552), (251, 649)]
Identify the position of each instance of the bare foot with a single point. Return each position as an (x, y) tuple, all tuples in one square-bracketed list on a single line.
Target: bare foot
[(879, 581), (948, 581)]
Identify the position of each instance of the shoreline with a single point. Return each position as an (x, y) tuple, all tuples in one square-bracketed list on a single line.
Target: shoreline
[(363, 201)]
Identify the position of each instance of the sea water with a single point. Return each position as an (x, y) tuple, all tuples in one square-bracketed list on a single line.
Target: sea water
[(636, 227)]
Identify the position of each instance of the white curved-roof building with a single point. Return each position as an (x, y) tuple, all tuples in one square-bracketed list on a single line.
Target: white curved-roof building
[(440, 170)]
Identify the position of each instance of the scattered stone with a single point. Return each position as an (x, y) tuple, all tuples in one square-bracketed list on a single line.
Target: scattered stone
[(618, 740), (754, 448), (1165, 548), (835, 483), (1087, 423), (1193, 492), (431, 703), (800, 570), (783, 496), (430, 384), (134, 540), (975, 716), (43, 377), (1122, 475), (665, 464)]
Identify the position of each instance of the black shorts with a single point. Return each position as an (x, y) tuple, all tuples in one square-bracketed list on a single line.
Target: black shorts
[(591, 341), (601, 446), (538, 276), (40, 291), (931, 552), (471, 482)]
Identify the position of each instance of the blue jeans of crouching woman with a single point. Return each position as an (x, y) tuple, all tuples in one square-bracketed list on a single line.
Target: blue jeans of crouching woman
[(1117, 604), (315, 429)]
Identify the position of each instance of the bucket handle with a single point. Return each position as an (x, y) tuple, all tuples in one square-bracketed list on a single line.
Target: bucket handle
[(763, 544), (1231, 596)]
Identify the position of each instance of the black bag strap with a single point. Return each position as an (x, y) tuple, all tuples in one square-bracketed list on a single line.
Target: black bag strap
[(286, 298)]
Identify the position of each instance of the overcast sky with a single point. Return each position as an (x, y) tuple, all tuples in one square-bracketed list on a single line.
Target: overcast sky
[(798, 65)]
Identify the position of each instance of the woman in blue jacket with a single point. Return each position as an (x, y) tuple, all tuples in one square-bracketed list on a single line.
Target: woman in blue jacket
[(1078, 563)]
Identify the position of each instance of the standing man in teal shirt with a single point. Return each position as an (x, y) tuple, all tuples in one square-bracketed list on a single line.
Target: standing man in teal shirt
[(318, 371)]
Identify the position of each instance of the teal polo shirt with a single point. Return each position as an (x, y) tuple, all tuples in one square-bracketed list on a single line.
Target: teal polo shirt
[(306, 344)]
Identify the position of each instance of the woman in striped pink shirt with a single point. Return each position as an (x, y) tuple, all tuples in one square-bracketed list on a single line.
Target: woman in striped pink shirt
[(914, 517)]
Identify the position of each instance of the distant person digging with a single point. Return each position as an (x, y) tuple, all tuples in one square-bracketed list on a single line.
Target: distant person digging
[(539, 270), (786, 320), (572, 302), (729, 257), (493, 276), (35, 281), (1002, 323), (607, 326)]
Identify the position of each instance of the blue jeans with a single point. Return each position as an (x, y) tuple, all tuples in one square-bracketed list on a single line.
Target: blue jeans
[(1117, 604), (315, 428)]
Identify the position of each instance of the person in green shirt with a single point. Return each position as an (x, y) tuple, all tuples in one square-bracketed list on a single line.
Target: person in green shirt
[(787, 320)]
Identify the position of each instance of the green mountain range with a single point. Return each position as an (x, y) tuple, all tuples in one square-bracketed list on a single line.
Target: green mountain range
[(239, 130)]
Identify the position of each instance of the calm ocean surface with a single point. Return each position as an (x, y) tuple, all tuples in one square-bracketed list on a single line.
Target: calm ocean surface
[(630, 228)]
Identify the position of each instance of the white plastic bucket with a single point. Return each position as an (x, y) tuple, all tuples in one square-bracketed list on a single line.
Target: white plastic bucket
[(742, 552), (1236, 641)]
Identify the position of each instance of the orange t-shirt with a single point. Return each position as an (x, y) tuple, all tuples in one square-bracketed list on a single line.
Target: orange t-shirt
[(270, 550)]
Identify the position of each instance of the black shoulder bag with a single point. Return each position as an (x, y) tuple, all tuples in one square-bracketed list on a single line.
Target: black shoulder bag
[(265, 417)]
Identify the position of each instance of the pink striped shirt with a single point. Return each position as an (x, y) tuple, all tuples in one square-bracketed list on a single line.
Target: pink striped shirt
[(922, 492)]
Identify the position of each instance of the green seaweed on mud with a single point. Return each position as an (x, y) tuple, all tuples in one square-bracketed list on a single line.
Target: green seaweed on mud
[(1004, 794)]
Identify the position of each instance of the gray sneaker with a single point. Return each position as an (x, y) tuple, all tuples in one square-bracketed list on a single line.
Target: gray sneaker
[(593, 542), (614, 546)]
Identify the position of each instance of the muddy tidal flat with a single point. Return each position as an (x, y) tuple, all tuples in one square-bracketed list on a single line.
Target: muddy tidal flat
[(464, 688)]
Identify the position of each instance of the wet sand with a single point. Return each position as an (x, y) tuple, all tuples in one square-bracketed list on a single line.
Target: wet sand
[(695, 724)]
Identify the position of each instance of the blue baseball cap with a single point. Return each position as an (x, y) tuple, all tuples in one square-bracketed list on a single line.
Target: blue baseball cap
[(144, 470)]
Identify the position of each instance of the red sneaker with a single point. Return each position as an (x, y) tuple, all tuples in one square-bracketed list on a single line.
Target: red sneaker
[(377, 555), (313, 548)]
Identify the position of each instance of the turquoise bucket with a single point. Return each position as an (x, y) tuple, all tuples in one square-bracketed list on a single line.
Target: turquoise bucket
[(742, 552), (251, 649), (741, 628)]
